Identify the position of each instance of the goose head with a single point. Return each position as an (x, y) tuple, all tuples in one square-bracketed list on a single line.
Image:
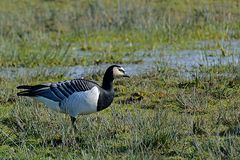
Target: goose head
[(112, 72), (116, 71)]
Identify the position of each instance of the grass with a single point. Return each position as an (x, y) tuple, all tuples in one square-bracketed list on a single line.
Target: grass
[(182, 119), (157, 115), (46, 33)]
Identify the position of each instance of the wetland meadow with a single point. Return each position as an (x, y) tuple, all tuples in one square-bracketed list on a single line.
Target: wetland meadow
[(181, 102)]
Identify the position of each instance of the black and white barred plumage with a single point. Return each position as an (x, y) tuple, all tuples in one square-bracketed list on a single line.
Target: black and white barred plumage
[(77, 96), (57, 91)]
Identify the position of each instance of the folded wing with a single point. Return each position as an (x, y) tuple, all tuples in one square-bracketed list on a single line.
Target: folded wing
[(53, 94)]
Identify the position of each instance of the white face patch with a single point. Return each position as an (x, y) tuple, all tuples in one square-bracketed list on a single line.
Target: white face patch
[(118, 72)]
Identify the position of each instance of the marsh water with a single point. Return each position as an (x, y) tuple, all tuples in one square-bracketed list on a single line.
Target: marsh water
[(185, 61)]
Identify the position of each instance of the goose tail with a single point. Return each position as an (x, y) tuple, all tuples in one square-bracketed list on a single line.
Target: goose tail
[(30, 91)]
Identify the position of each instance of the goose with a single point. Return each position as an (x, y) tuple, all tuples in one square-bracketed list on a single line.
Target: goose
[(77, 96)]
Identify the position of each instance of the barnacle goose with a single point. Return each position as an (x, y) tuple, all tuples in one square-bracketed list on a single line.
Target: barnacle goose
[(77, 96)]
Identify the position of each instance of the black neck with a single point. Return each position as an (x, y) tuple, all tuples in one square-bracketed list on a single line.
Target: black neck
[(107, 82)]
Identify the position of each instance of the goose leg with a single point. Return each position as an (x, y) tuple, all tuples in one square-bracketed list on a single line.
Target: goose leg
[(73, 120), (74, 129)]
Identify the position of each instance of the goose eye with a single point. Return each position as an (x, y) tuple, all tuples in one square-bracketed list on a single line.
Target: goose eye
[(121, 70)]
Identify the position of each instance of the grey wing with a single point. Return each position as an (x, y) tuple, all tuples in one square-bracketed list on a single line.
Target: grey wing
[(56, 91)]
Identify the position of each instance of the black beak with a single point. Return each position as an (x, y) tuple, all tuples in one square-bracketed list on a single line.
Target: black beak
[(125, 75)]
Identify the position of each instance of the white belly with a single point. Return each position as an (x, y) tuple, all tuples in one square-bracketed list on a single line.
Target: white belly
[(49, 103), (81, 102)]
